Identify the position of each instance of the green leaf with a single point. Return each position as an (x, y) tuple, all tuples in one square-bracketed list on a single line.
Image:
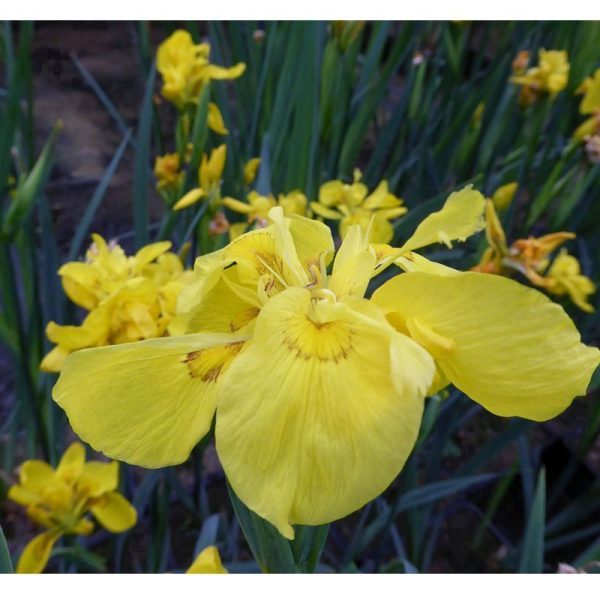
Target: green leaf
[(5, 560), (28, 191), (84, 225), (532, 550), (141, 177)]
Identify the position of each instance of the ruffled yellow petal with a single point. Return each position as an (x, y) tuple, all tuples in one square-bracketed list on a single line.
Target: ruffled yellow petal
[(80, 283), (146, 403), (207, 562), (35, 475), (460, 217), (36, 554), (215, 119), (189, 199), (330, 423), (506, 346), (114, 512)]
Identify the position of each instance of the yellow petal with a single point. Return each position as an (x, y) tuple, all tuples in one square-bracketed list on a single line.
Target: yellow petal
[(312, 240), (35, 475), (460, 217), (504, 195), (354, 265), (329, 424), (55, 359), (215, 119), (326, 213), (97, 478), (146, 403), (411, 261), (149, 253), (237, 206), (215, 72), (190, 198), (36, 554), (207, 562), (250, 170), (72, 461), (515, 352), (237, 229), (80, 282), (114, 512)]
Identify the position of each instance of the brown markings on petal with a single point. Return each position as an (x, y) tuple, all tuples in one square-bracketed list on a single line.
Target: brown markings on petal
[(208, 364), (325, 342)]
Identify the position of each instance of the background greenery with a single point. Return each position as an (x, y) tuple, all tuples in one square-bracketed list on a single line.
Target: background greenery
[(397, 100)]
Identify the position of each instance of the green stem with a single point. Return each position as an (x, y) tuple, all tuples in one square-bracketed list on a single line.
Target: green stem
[(273, 552)]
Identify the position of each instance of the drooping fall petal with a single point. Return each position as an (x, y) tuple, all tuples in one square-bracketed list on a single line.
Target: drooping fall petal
[(329, 424), (506, 346), (146, 403)]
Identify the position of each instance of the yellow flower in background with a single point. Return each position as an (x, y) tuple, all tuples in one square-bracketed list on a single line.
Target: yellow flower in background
[(210, 173), (60, 499), (351, 204), (168, 173), (318, 391), (531, 258), (185, 68), (564, 278), (208, 562), (590, 105), (130, 298), (250, 170), (258, 206), (550, 76)]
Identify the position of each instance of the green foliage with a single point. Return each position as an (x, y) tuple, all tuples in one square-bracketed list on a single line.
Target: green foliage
[(427, 106)]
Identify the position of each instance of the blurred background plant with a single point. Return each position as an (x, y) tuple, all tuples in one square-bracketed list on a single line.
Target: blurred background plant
[(421, 109)]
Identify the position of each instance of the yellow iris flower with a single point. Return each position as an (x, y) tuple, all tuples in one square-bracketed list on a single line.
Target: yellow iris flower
[(564, 277), (590, 105), (59, 500), (531, 258), (258, 206), (550, 76), (129, 297), (210, 173), (351, 204), (208, 562), (319, 391), (168, 173), (186, 69)]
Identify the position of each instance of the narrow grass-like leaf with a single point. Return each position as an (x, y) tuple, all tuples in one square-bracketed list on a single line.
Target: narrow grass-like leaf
[(532, 550), (83, 228), (141, 178)]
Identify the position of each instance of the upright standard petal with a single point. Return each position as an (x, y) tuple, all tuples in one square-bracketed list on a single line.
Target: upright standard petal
[(460, 217), (506, 346), (146, 403), (313, 418)]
